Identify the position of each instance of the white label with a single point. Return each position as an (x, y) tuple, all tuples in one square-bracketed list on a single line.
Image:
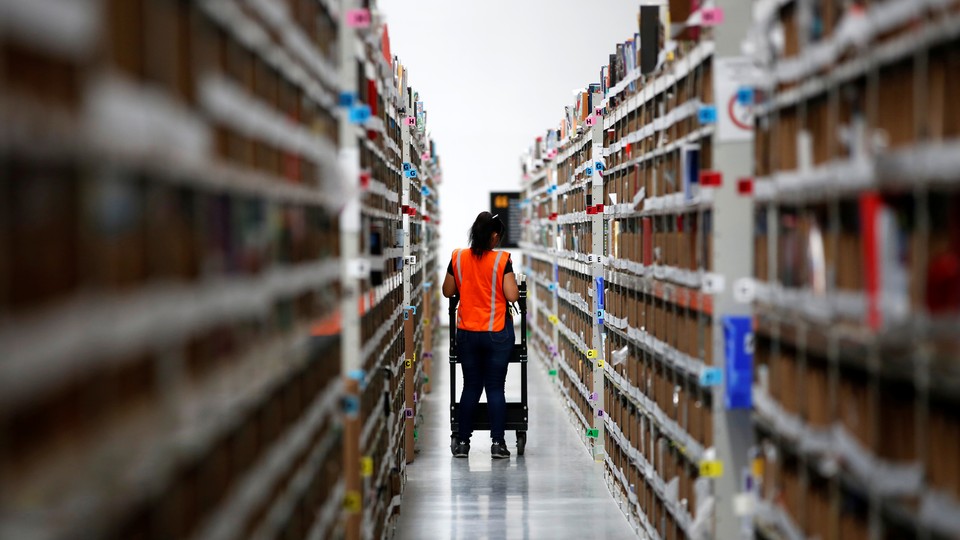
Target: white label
[(734, 119), (713, 283), (358, 268), (745, 290), (744, 504)]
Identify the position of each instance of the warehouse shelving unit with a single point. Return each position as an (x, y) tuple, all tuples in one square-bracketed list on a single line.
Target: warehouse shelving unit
[(201, 269), (650, 227), (856, 312), (385, 133), (168, 262)]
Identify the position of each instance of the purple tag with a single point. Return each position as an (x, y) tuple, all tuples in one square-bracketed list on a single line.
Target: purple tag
[(408, 413)]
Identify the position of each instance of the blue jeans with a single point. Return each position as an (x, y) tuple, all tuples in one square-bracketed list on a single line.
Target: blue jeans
[(484, 357)]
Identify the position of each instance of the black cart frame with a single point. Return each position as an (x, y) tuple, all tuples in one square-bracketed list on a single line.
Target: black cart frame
[(516, 412)]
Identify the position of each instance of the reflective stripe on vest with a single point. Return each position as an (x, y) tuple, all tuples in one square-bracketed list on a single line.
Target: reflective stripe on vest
[(480, 284), (493, 290)]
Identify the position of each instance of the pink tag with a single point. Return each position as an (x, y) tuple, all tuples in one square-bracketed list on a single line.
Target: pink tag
[(410, 120), (425, 156), (591, 121), (598, 112), (712, 16), (358, 18)]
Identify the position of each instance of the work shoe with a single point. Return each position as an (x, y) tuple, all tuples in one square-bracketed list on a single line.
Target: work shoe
[(498, 450), (461, 449)]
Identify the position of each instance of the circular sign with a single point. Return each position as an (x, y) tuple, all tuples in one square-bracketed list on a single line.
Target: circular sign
[(741, 115)]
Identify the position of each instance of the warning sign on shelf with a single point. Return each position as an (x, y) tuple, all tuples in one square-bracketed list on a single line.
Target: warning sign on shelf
[(734, 116)]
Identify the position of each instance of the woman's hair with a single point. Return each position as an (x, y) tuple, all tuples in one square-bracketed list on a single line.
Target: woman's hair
[(482, 231)]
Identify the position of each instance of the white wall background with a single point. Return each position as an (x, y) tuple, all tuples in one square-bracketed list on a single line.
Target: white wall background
[(493, 75)]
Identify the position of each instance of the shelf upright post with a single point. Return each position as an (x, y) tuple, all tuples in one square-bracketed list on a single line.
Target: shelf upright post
[(596, 274), (408, 270), (352, 260), (553, 233), (732, 256)]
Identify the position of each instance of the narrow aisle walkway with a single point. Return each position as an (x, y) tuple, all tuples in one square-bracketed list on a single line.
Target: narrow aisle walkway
[(554, 491)]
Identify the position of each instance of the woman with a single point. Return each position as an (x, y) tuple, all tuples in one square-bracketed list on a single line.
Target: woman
[(485, 280)]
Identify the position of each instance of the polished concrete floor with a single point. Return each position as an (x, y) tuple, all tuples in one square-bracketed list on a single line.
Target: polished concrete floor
[(554, 491)]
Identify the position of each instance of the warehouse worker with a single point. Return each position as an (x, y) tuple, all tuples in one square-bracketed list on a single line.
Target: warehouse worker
[(485, 281)]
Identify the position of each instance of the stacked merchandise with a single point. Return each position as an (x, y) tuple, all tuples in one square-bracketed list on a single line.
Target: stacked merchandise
[(180, 184), (432, 310), (856, 283), (621, 240), (168, 245)]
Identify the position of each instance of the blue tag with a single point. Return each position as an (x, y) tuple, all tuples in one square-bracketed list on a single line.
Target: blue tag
[(745, 95), (346, 99), (738, 337), (711, 376), (412, 173), (600, 314), (351, 405), (599, 166), (359, 114), (413, 309), (355, 374), (406, 166), (553, 286), (588, 171), (406, 314), (707, 114), (424, 191)]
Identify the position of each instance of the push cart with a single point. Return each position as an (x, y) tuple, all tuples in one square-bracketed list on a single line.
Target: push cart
[(516, 412)]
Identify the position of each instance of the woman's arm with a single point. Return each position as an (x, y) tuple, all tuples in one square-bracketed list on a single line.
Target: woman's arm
[(450, 286), (510, 290)]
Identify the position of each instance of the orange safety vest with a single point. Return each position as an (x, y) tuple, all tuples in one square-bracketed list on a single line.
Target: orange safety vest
[(483, 307)]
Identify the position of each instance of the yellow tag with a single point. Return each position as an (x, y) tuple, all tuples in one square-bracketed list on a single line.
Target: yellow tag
[(592, 353), (426, 322), (553, 319), (366, 466), (758, 468), (408, 363), (414, 356), (670, 56), (351, 502), (711, 469), (600, 363)]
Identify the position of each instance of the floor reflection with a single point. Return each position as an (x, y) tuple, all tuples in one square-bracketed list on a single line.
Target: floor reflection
[(491, 499)]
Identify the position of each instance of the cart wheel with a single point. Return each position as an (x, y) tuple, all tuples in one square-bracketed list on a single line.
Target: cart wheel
[(521, 442)]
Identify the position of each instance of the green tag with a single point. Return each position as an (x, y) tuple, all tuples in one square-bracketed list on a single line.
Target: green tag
[(593, 433), (553, 373), (426, 379), (415, 435)]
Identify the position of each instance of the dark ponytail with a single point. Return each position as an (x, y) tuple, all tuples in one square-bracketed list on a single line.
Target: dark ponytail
[(482, 231)]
